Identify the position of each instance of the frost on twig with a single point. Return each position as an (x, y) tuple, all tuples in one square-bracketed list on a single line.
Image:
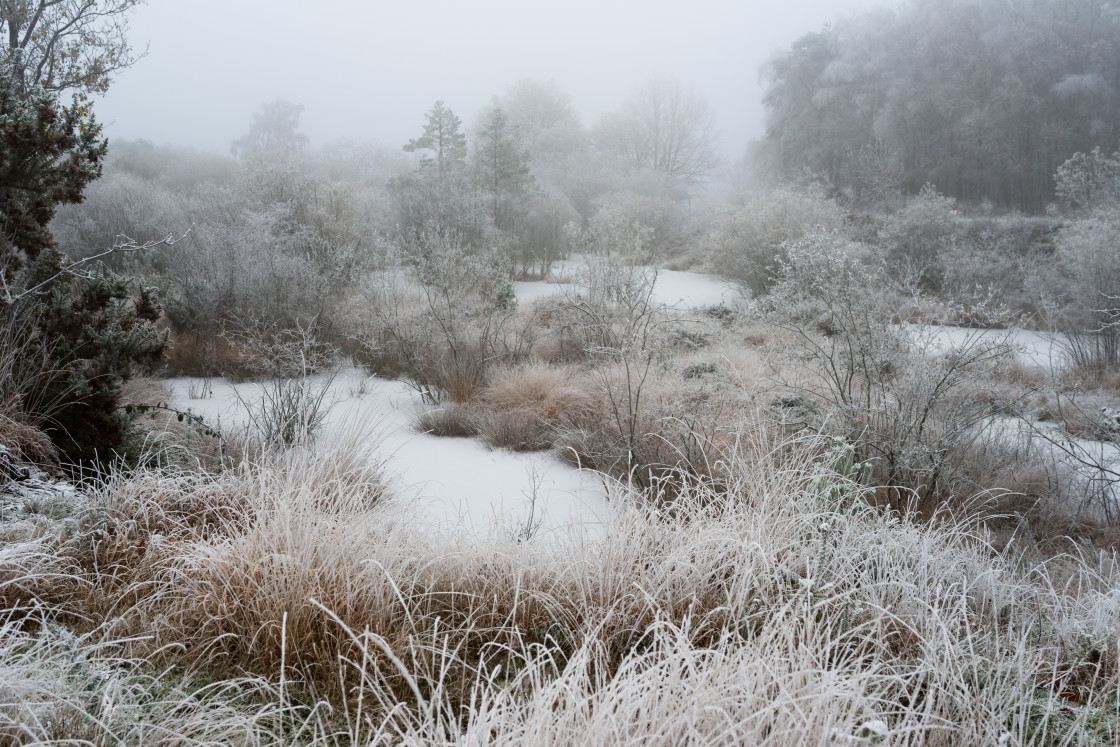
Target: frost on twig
[(79, 268)]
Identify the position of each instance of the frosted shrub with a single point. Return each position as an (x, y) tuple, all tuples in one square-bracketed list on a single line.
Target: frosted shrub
[(120, 204), (293, 399), (746, 241), (916, 237), (612, 317), (271, 239), (1088, 180), (911, 411), (439, 320), (652, 223), (258, 267), (1086, 288)]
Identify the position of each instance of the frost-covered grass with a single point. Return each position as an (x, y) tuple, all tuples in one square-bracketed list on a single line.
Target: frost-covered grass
[(289, 602)]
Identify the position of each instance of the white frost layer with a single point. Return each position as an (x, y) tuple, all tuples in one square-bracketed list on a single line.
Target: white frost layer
[(456, 482), (1038, 348), (683, 289)]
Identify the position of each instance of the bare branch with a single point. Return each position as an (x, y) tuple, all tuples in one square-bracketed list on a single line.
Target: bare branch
[(124, 245)]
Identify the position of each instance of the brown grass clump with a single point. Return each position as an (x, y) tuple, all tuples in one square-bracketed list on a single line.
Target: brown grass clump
[(25, 441), (522, 407), (516, 430), (552, 393), (778, 610), (1026, 375), (450, 421), (527, 406), (1103, 379), (204, 354)]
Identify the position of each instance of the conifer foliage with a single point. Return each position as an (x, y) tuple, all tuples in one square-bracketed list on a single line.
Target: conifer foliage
[(84, 328)]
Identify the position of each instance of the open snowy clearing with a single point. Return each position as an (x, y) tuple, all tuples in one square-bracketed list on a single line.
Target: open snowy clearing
[(689, 290), (457, 483), (1032, 347)]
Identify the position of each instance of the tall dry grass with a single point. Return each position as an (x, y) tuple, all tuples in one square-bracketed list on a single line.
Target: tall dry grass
[(779, 610)]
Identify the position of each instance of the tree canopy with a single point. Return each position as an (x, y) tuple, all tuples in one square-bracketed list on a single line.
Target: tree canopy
[(982, 98), (48, 154), (665, 126), (443, 145), (66, 44)]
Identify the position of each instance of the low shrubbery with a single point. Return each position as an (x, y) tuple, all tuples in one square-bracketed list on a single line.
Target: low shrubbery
[(826, 524), (316, 611)]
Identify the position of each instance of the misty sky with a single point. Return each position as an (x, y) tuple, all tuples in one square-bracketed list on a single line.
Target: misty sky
[(369, 69)]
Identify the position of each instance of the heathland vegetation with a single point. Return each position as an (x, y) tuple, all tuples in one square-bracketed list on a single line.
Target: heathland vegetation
[(846, 506)]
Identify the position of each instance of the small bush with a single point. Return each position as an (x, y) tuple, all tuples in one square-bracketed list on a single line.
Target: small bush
[(451, 420), (516, 430), (745, 243), (913, 411), (522, 407), (553, 393), (205, 354), (292, 403), (442, 320)]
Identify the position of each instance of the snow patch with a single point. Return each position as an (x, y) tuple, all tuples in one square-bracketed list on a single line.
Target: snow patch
[(456, 483)]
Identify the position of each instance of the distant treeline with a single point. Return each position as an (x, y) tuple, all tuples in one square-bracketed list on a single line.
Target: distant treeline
[(985, 99)]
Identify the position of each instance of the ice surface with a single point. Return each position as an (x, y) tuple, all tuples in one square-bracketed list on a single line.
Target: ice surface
[(457, 483), (683, 289)]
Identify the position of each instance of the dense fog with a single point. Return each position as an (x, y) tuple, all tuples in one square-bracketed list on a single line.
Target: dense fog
[(596, 373), (366, 71)]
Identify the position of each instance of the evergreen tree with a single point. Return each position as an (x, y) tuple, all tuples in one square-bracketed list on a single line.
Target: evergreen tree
[(501, 166), (89, 328), (48, 155), (444, 138), (438, 204)]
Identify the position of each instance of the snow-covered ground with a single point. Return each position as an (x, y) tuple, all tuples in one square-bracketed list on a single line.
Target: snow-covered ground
[(456, 482), (1038, 348), (688, 290)]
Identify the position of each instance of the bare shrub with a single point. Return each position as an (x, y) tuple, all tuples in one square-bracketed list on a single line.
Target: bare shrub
[(272, 238), (745, 243), (913, 410), (622, 329), (443, 321), (292, 402), (623, 212), (682, 429), (1080, 445)]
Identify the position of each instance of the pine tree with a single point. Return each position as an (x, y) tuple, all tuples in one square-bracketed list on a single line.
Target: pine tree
[(442, 136), (90, 328), (501, 166), (438, 204)]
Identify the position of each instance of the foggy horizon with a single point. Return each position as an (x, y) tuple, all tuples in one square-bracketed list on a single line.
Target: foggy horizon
[(370, 72)]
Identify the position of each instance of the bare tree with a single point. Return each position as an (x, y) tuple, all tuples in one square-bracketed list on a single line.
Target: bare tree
[(666, 126), (66, 44)]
